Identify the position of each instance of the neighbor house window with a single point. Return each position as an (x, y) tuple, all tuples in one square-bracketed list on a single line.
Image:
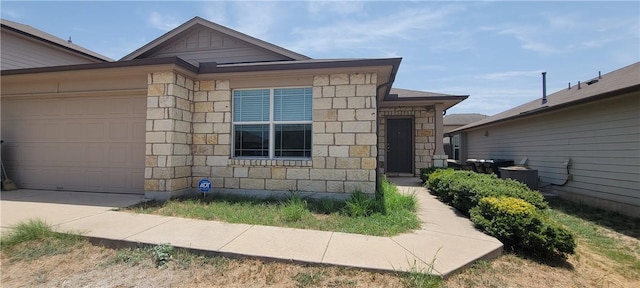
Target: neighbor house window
[(272, 123), (456, 146)]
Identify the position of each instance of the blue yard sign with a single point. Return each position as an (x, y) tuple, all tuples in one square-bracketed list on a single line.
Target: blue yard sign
[(204, 185)]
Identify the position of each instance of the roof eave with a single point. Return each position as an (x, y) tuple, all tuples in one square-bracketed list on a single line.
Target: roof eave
[(213, 67), (104, 65), (613, 93), (200, 21), (96, 57), (448, 101)]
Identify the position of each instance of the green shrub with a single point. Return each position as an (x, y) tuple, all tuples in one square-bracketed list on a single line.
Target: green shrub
[(521, 226), (360, 204), (425, 172), (463, 189)]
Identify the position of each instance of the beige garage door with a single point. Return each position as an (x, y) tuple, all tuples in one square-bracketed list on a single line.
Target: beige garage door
[(94, 144)]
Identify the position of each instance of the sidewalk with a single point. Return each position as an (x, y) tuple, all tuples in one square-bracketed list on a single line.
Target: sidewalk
[(447, 242)]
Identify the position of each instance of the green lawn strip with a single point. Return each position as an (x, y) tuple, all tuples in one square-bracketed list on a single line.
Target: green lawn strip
[(594, 236), (397, 216), (34, 238)]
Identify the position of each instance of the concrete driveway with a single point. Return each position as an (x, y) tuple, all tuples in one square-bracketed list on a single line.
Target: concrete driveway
[(57, 207)]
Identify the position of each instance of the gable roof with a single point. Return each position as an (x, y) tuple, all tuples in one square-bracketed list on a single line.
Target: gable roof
[(51, 40), (462, 119), (623, 80), (406, 97), (180, 30)]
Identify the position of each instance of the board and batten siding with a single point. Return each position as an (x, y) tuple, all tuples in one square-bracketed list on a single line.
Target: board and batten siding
[(207, 45), (19, 52), (601, 138)]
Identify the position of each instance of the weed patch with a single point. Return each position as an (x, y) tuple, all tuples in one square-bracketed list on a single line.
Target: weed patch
[(388, 213), (34, 238)]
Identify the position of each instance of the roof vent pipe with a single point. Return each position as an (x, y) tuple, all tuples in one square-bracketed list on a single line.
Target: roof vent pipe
[(544, 88), (569, 86), (578, 84), (599, 74)]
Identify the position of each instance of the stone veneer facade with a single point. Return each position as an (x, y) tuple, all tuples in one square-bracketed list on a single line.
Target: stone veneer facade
[(168, 138), (423, 132), (189, 137)]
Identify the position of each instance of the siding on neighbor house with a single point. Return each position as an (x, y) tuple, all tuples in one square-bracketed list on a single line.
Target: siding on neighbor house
[(601, 138), (18, 52), (207, 45)]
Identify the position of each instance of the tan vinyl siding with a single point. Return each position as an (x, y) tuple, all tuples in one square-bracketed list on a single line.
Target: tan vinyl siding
[(602, 139), (18, 52), (206, 45)]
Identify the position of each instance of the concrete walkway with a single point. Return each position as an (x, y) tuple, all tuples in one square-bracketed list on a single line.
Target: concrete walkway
[(446, 243)]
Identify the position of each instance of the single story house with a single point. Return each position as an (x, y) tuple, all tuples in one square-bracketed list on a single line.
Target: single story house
[(584, 140), (205, 101), (26, 47), (453, 121)]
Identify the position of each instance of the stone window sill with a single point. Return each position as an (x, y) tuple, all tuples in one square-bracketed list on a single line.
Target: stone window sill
[(270, 162)]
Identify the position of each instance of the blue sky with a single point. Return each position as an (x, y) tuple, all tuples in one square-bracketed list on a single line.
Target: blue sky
[(493, 51)]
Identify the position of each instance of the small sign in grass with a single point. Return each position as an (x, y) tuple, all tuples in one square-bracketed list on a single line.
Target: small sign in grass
[(389, 213)]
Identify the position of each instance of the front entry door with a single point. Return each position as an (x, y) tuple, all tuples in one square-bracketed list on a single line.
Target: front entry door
[(399, 145)]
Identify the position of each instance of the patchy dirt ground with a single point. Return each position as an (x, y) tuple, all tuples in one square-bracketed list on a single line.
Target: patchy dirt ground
[(584, 269), (94, 266)]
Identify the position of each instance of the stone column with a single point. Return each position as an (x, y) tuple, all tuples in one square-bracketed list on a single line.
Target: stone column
[(439, 156), (168, 138)]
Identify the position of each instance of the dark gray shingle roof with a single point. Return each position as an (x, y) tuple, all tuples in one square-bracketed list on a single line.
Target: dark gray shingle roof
[(46, 37), (626, 77), (463, 119)]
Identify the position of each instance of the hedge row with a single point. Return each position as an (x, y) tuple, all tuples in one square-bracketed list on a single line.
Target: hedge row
[(519, 224), (505, 209), (463, 189)]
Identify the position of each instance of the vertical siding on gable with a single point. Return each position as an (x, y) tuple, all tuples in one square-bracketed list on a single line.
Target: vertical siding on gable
[(19, 52), (602, 139), (206, 45)]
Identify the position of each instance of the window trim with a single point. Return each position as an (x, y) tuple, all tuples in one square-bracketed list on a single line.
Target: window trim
[(271, 123)]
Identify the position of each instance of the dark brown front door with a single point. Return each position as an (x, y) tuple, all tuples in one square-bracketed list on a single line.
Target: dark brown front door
[(399, 145)]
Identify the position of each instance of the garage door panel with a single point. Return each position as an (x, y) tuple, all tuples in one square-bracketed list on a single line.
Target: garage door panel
[(119, 155), (74, 131), (120, 131), (95, 131), (94, 155), (76, 144)]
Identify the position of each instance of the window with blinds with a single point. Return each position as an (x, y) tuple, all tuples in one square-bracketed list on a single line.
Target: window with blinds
[(272, 123)]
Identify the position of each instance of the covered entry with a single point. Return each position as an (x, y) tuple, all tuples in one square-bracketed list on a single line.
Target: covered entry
[(92, 143), (400, 145)]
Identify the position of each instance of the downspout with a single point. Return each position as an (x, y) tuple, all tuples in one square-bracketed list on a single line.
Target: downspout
[(387, 84)]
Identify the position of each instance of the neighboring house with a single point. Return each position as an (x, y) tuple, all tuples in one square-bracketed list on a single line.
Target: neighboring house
[(205, 101), (26, 47), (453, 121), (584, 140)]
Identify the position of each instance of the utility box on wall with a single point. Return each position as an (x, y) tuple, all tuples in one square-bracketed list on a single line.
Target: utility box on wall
[(521, 174)]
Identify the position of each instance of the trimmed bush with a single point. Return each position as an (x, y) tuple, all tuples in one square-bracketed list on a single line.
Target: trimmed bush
[(519, 225), (426, 172), (463, 189)]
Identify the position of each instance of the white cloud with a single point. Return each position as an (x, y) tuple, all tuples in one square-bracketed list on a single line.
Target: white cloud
[(163, 22), (255, 18), (409, 24), (216, 11), (342, 8), (12, 14), (529, 38), (508, 75), (491, 100)]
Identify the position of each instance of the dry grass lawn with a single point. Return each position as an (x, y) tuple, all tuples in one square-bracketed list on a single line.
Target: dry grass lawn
[(608, 255)]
